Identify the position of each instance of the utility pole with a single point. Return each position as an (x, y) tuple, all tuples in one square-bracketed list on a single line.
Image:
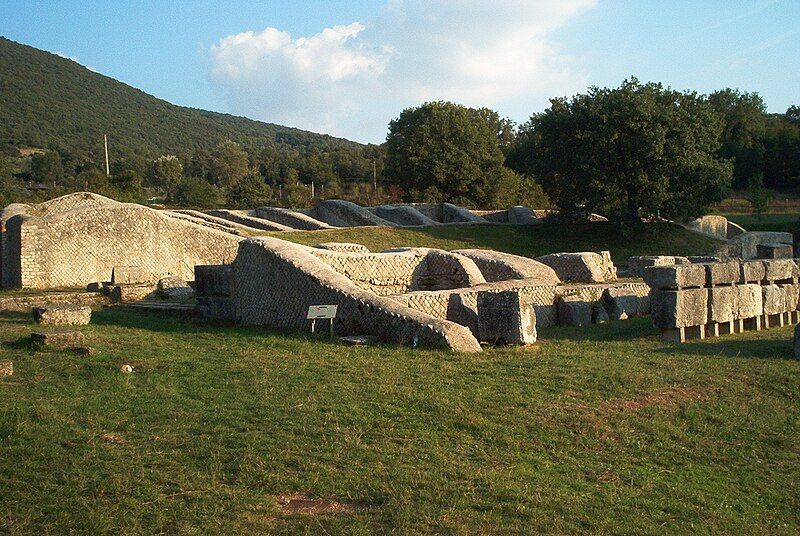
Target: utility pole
[(312, 189), (374, 176), (105, 145)]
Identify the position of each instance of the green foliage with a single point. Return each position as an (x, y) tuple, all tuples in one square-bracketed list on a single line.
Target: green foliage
[(166, 171), (228, 164), (628, 153), (758, 196), (196, 192), (742, 137), (442, 151), (248, 192), (47, 167)]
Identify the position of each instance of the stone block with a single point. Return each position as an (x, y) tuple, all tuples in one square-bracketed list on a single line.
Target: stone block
[(779, 269), (722, 304), (130, 275), (57, 339), (6, 368), (217, 308), (752, 271), (774, 299), (750, 301), (574, 311), (621, 303), (792, 296), (675, 277), (679, 308), (63, 315), (722, 273), (129, 293), (599, 313), (503, 317), (774, 251), (173, 288)]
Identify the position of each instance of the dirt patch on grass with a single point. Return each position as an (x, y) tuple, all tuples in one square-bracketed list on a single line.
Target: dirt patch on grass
[(307, 504)]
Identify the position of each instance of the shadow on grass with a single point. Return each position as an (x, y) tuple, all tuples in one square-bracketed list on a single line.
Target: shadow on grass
[(163, 323), (734, 346), (623, 330)]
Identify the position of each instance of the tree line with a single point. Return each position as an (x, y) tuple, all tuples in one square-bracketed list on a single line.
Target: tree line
[(632, 153)]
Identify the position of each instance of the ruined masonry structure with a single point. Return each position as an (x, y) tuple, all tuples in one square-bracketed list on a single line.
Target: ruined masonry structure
[(694, 301)]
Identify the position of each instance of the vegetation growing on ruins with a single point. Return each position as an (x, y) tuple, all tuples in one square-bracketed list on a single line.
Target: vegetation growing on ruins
[(605, 429)]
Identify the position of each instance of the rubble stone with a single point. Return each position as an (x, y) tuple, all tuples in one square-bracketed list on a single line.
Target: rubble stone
[(622, 303), (63, 315), (6, 368), (679, 308), (637, 265), (174, 288)]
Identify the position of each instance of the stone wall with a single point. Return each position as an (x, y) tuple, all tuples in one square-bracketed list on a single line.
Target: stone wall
[(498, 266), (346, 214), (290, 218), (404, 270), (276, 281), (82, 245)]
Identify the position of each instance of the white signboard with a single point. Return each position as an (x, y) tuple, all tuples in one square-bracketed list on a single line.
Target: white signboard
[(321, 311)]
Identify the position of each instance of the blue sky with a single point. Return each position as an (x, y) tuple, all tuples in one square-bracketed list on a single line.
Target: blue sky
[(348, 68)]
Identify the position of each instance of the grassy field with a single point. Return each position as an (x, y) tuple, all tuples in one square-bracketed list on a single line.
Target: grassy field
[(604, 429), (527, 240)]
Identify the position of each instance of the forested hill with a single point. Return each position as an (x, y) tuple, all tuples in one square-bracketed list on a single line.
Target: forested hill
[(50, 101)]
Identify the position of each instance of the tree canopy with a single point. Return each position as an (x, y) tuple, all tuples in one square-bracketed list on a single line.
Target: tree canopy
[(636, 151)]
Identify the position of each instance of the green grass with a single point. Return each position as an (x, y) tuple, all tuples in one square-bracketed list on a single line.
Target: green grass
[(602, 429), (526, 240), (767, 222)]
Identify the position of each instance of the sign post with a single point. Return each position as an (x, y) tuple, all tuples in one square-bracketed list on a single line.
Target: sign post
[(321, 311)]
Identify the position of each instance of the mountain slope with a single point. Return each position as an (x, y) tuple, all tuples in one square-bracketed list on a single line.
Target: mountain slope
[(48, 100)]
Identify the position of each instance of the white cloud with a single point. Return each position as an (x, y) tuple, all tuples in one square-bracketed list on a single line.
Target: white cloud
[(351, 80), (75, 59)]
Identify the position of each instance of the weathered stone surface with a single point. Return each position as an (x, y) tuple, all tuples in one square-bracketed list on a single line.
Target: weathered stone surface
[(774, 251), (497, 266), (792, 296), (129, 293), (774, 299), (217, 308), (403, 215), (503, 317), (248, 219), (340, 213), (174, 288), (752, 271), (621, 303), (211, 280), (637, 265), (345, 247), (695, 259), (711, 225), (779, 269), (6, 368), (722, 273), (679, 308), (723, 304), (291, 218), (675, 277), (131, 275), (24, 304), (582, 267), (750, 301), (797, 341), (454, 214), (522, 216), (58, 339), (63, 315), (574, 311), (745, 245)]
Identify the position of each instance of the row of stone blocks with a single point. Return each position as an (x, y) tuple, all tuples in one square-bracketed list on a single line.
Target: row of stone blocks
[(694, 301)]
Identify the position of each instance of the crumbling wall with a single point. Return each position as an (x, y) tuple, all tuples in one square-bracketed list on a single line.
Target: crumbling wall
[(346, 214), (291, 218), (82, 245), (276, 281), (404, 270), (498, 266), (403, 215)]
